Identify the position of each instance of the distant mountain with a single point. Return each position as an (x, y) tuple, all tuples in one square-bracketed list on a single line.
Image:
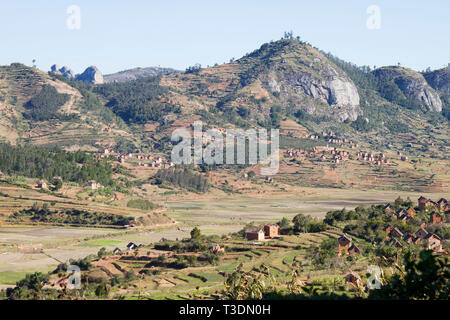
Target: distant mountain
[(137, 73)]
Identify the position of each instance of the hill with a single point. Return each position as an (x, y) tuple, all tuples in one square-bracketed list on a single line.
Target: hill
[(137, 73), (49, 110)]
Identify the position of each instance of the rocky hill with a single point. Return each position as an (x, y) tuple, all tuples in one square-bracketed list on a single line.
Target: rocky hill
[(92, 75), (48, 110), (138, 73), (439, 79), (410, 85)]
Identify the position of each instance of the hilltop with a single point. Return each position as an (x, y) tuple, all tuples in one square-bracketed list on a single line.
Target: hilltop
[(137, 73)]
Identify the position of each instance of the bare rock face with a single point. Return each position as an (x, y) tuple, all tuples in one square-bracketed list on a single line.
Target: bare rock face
[(413, 85), (439, 79), (319, 88), (64, 71), (91, 75)]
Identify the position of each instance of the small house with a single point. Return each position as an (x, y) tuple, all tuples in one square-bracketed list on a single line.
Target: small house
[(396, 233), (424, 203), (131, 246), (421, 233), (215, 248), (344, 242), (353, 250), (117, 251), (93, 184), (42, 184), (255, 234), (433, 242), (409, 238), (353, 279), (411, 212), (435, 218), (271, 230)]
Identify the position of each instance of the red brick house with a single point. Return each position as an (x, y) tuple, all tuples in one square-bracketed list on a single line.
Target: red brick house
[(422, 224), (433, 242), (344, 241), (396, 233), (272, 230), (388, 229), (411, 212), (255, 234), (409, 238), (435, 218), (353, 250), (353, 279), (421, 233), (424, 203)]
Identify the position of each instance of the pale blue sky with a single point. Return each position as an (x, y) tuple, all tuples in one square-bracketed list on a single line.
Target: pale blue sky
[(118, 35)]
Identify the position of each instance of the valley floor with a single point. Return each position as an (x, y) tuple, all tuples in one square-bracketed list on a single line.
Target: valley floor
[(213, 216)]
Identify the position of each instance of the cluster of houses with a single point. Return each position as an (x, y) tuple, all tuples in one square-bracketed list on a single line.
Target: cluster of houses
[(430, 240), (377, 159), (269, 231), (331, 137), (155, 163), (150, 160), (421, 237)]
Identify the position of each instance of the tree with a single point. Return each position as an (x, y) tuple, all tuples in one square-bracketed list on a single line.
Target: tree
[(57, 184), (300, 222), (195, 234), (284, 222), (425, 278)]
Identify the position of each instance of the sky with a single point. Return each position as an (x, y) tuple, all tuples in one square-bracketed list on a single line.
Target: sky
[(119, 35)]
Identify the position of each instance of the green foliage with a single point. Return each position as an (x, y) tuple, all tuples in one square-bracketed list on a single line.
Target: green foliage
[(102, 290), (142, 204), (194, 69), (304, 223), (136, 101), (426, 278), (35, 162), (195, 234), (45, 104), (29, 287), (183, 178), (69, 216)]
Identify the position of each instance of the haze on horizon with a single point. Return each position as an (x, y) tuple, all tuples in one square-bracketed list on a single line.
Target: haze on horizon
[(178, 34)]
